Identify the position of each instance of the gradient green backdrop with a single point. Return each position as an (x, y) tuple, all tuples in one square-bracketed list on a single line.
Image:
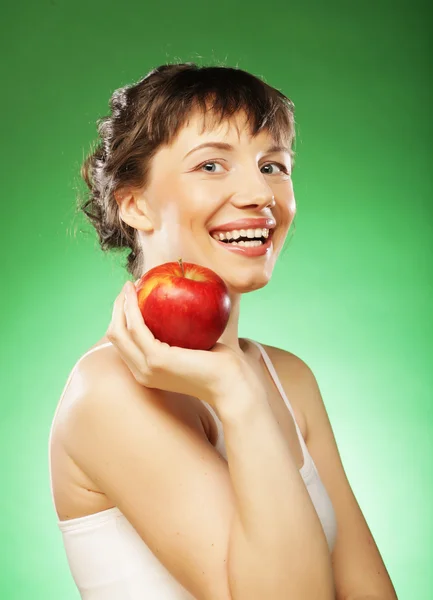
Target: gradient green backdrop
[(351, 294)]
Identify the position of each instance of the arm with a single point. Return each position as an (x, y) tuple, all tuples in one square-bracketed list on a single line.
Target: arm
[(248, 525), (358, 568), (277, 546), (245, 530), (367, 598)]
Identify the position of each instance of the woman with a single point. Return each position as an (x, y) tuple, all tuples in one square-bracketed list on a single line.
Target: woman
[(180, 474)]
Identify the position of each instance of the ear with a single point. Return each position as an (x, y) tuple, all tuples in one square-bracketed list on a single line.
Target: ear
[(133, 209)]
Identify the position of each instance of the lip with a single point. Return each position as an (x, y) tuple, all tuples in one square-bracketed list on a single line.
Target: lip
[(264, 249), (261, 223)]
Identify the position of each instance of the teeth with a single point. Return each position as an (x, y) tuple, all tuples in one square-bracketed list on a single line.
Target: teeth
[(251, 244), (237, 233)]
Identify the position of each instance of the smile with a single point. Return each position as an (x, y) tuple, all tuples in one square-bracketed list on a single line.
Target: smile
[(262, 249)]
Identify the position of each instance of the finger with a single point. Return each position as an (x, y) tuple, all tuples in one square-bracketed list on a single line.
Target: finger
[(121, 338), (135, 323)]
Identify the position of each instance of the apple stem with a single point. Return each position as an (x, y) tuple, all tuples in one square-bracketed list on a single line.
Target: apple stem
[(179, 260)]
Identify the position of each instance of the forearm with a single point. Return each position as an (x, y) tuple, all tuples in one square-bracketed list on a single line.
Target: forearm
[(277, 545), (370, 597)]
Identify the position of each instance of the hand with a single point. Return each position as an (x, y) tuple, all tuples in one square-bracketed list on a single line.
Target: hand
[(209, 375)]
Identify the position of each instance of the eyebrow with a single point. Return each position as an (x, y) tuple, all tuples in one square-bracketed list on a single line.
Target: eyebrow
[(230, 148)]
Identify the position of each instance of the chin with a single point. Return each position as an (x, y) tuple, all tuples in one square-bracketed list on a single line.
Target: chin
[(243, 287)]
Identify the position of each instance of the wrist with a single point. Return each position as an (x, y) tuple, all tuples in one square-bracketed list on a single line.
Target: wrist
[(237, 402)]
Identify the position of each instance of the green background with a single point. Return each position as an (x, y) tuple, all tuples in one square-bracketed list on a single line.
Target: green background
[(351, 294)]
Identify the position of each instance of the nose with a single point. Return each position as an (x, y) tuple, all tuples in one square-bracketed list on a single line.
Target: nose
[(258, 200), (257, 195)]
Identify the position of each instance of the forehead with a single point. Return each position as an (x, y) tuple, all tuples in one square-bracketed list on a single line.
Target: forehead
[(199, 126)]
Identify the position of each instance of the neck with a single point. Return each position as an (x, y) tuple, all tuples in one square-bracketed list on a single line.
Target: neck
[(230, 335)]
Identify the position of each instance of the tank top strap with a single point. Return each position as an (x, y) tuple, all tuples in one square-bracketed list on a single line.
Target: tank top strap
[(307, 458)]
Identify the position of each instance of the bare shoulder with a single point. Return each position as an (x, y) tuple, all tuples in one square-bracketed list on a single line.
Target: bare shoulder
[(96, 365), (103, 361), (291, 363), (102, 368)]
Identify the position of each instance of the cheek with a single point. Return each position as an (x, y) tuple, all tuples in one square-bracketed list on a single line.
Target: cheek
[(288, 211), (176, 208), (291, 209)]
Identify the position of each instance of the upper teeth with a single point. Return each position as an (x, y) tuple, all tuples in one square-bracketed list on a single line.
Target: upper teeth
[(237, 233)]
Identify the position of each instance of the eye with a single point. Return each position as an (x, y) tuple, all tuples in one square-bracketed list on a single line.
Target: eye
[(215, 162), (210, 162), (282, 167)]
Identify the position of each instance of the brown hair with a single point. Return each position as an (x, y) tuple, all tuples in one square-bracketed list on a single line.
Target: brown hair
[(148, 114)]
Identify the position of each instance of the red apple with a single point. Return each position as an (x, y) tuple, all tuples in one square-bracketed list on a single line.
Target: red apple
[(184, 304)]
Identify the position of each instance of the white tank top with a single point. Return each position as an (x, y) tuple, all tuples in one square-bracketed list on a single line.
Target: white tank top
[(110, 561)]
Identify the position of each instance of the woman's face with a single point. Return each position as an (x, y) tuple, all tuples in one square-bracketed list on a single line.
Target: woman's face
[(192, 191)]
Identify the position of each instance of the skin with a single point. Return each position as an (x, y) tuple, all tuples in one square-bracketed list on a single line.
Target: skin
[(185, 197), (173, 215)]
